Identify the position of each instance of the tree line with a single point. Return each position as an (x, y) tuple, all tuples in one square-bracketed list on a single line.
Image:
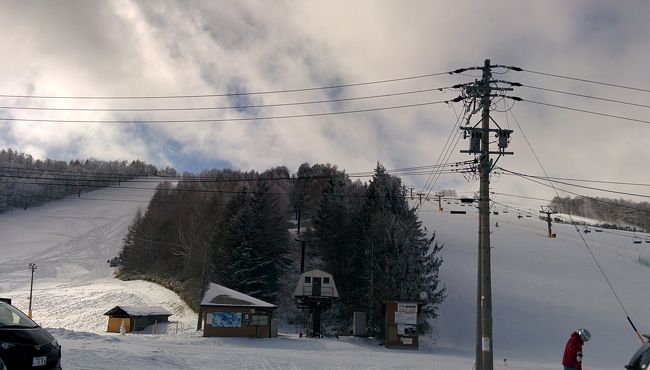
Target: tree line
[(615, 213), (26, 181), (238, 229)]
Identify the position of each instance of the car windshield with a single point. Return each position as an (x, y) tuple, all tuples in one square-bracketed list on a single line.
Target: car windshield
[(11, 317)]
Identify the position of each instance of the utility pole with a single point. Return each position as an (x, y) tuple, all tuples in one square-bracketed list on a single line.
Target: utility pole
[(199, 324), (478, 97), (32, 266), (439, 195), (548, 211)]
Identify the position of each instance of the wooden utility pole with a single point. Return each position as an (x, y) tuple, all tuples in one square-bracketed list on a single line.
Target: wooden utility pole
[(480, 94), (484, 223)]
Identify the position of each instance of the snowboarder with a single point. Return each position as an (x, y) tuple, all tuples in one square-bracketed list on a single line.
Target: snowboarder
[(572, 359)]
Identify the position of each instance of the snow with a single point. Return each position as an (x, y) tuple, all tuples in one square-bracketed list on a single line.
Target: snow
[(142, 310), (542, 290), (219, 295)]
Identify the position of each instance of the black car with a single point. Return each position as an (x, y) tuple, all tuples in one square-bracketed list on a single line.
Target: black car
[(24, 344), (641, 358)]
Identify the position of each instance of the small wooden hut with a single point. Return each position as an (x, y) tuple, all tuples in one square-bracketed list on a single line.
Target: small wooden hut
[(229, 313), (135, 318)]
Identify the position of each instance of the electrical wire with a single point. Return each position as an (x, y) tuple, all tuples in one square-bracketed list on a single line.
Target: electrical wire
[(215, 120), (340, 86), (579, 233), (574, 185), (586, 80), (251, 106), (587, 111), (586, 96)]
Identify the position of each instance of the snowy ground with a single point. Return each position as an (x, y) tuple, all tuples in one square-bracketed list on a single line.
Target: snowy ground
[(542, 289)]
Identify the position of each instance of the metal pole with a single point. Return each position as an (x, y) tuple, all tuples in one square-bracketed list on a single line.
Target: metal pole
[(32, 266), (199, 323), (484, 225)]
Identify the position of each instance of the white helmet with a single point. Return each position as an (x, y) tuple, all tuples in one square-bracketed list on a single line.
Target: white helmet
[(585, 335)]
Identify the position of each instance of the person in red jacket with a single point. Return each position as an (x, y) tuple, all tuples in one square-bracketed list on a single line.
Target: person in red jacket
[(572, 359)]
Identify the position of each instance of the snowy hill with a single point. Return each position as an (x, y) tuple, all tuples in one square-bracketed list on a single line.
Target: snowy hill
[(542, 289)]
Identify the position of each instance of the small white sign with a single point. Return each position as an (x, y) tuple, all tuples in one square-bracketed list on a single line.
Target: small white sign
[(407, 308), (407, 340), (486, 344), (406, 318)]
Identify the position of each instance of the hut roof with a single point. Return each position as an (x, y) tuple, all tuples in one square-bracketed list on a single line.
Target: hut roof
[(317, 273), (219, 295), (138, 311)]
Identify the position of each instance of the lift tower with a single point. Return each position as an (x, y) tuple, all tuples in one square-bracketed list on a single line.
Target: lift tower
[(548, 211)]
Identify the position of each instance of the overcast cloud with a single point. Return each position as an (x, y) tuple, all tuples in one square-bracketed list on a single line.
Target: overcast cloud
[(136, 48)]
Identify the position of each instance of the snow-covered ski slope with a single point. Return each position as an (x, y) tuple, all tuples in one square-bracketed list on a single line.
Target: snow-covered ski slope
[(70, 241), (542, 289)]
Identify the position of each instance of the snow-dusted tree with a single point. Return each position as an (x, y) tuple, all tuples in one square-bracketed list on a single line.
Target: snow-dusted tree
[(251, 242), (401, 262), (337, 240)]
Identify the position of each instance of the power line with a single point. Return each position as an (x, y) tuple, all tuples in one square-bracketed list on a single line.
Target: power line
[(593, 256), (586, 80), (251, 106), (340, 86), (587, 111), (592, 181), (586, 96), (417, 170), (215, 120), (600, 200), (574, 185)]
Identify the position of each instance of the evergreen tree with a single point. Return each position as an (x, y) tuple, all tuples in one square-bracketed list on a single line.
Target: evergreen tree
[(337, 234), (402, 264), (250, 245)]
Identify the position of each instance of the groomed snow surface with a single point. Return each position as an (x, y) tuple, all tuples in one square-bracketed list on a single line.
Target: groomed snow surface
[(542, 290)]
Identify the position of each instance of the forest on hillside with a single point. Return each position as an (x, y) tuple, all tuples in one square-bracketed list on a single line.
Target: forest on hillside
[(616, 213), (28, 182), (238, 229)]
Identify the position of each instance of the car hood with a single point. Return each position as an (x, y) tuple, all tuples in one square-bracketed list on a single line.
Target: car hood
[(36, 336)]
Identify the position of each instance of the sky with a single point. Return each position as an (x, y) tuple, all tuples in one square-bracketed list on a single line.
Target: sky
[(164, 48)]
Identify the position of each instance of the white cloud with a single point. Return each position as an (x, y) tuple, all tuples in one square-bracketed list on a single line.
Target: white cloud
[(177, 48)]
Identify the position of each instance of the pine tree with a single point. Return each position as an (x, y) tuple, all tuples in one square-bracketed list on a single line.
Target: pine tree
[(402, 263)]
